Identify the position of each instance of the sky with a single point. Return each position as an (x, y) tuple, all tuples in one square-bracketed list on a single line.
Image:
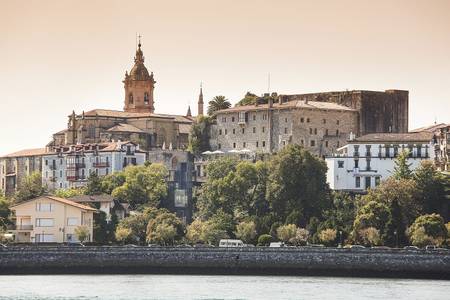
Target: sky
[(59, 56)]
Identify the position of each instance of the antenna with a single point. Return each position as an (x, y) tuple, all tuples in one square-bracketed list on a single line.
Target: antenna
[(268, 82), (135, 40)]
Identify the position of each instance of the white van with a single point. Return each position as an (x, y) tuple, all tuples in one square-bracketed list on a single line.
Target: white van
[(276, 244), (231, 243)]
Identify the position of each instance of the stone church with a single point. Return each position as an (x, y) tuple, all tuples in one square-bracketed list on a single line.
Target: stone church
[(138, 122)]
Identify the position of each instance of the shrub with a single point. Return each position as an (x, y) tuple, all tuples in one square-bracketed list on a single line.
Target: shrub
[(286, 232), (265, 240), (246, 231), (426, 230), (369, 236), (300, 238), (123, 234), (328, 236), (82, 233)]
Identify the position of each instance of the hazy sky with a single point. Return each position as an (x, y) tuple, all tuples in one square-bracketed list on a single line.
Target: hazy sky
[(59, 56)]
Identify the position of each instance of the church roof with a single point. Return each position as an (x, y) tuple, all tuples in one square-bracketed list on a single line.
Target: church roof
[(289, 105), (125, 128), (184, 128), (431, 128)]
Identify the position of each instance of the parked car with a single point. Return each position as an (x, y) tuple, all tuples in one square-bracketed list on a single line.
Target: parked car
[(277, 245), (381, 248), (231, 243), (357, 247), (412, 248), (430, 247)]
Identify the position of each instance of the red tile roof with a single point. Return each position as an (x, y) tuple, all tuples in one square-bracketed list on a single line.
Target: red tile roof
[(61, 200), (27, 152)]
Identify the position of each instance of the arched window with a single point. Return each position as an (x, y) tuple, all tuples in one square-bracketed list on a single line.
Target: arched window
[(130, 98), (145, 98)]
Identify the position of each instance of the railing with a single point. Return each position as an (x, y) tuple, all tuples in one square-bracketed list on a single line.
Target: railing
[(75, 178), (52, 167), (76, 166), (356, 154), (101, 164), (20, 227)]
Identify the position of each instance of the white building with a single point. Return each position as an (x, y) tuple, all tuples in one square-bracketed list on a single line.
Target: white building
[(367, 160), (70, 166)]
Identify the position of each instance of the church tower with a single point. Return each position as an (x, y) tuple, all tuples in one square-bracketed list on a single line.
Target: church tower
[(200, 102), (139, 85)]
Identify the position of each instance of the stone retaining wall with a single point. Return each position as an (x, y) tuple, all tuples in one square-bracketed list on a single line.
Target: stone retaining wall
[(258, 260)]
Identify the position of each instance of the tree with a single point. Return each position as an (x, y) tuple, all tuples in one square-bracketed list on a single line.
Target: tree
[(369, 236), (428, 230), (112, 181), (431, 187), (137, 224), (373, 214), (82, 233), (94, 185), (100, 229), (218, 103), (144, 185), (286, 232), (328, 236), (402, 168), (69, 193), (123, 235), (265, 240), (301, 237), (249, 99), (4, 212), (30, 187), (164, 229), (297, 182), (195, 230), (199, 136), (246, 231)]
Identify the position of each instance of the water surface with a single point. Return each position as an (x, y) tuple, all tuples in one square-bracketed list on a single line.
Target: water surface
[(175, 287)]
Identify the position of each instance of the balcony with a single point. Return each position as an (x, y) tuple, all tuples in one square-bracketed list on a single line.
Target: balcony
[(20, 227), (104, 164), (75, 178), (52, 167), (76, 166), (356, 154)]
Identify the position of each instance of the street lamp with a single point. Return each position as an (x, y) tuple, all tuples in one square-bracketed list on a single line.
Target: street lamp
[(340, 238), (396, 238)]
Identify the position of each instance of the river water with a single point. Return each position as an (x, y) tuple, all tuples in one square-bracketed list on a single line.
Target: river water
[(174, 287)]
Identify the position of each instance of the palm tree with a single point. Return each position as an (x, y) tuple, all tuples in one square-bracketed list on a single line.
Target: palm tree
[(218, 103)]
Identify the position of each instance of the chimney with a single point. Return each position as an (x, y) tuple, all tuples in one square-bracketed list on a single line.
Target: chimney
[(270, 102)]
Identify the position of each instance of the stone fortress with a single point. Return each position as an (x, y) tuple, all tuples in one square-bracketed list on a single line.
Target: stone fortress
[(321, 122)]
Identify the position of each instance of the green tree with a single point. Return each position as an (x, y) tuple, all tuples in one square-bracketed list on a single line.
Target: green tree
[(144, 185), (265, 240), (82, 233), (69, 193), (431, 187), (31, 187), (112, 181), (94, 185), (286, 232), (137, 224), (328, 236), (246, 231), (402, 168), (124, 235), (373, 214), (164, 229), (195, 230), (370, 236), (100, 229), (199, 136), (297, 182), (4, 212), (218, 103), (249, 99), (428, 229)]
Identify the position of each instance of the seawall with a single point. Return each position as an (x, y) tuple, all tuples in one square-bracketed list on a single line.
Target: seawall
[(258, 260)]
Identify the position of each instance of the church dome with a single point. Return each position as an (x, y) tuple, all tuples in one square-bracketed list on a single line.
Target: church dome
[(139, 71)]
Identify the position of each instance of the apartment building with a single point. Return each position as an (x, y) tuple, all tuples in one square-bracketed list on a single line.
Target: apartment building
[(367, 160), (49, 219)]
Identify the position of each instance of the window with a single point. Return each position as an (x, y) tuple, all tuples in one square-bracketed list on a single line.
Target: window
[(234, 131), (324, 121), (220, 131), (72, 221), (130, 98), (226, 131), (257, 144), (307, 120), (232, 119), (264, 129), (377, 180), (285, 130), (312, 143), (264, 117), (357, 181), (41, 222), (337, 122), (337, 132), (356, 163), (302, 142), (181, 199), (220, 146), (146, 98), (60, 173), (44, 238), (326, 144), (44, 207), (340, 164), (315, 130), (367, 182), (46, 162), (60, 161), (254, 129), (302, 120), (419, 150), (234, 145), (254, 117), (106, 171), (326, 131), (310, 131), (368, 164), (243, 144), (284, 143), (264, 143), (285, 120), (243, 130)]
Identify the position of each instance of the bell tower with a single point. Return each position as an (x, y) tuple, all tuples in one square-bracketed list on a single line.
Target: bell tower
[(139, 86)]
